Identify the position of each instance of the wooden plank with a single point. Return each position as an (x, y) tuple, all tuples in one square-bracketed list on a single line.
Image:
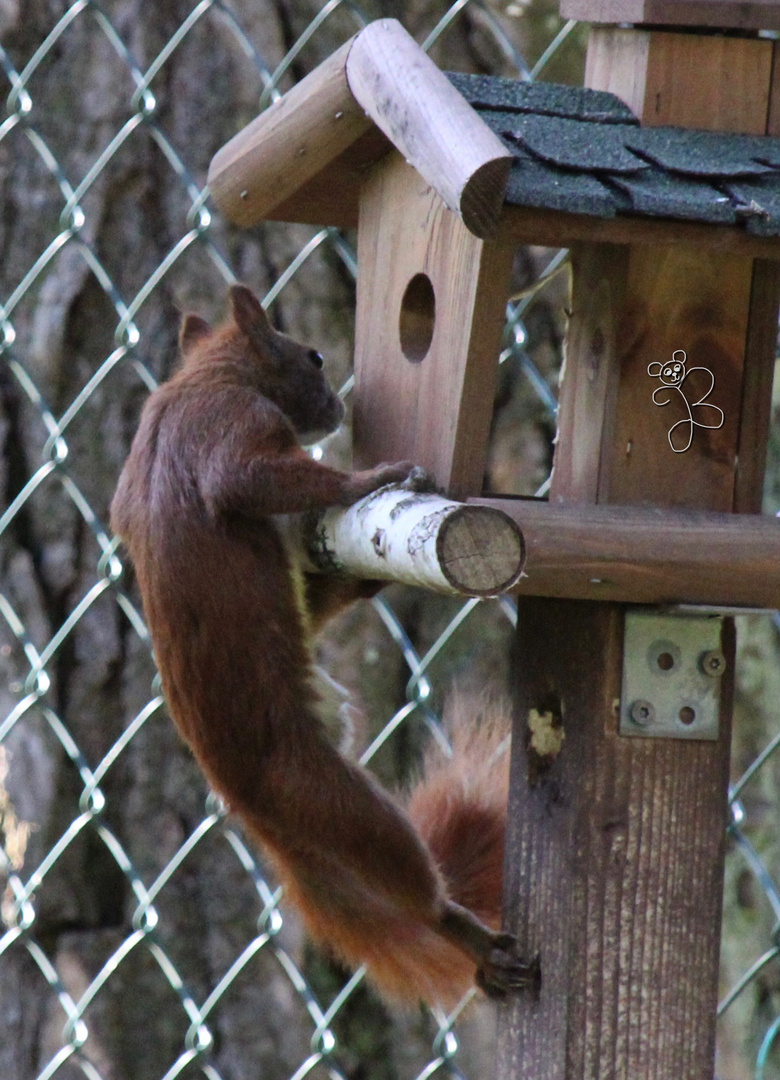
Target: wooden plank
[(430, 123), (589, 385), (651, 71), (332, 197), (288, 144), (646, 555), (773, 120), (614, 868), (759, 373), (434, 404), (725, 14), (556, 228), (679, 301)]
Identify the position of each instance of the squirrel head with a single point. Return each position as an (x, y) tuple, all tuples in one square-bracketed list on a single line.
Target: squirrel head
[(287, 373)]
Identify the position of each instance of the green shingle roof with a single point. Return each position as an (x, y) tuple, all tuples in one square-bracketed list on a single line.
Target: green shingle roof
[(584, 152)]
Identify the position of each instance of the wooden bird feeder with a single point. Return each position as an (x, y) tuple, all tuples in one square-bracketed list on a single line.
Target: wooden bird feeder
[(662, 176)]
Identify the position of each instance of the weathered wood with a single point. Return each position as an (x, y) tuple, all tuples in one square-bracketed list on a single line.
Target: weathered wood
[(306, 149), (759, 372), (332, 197), (646, 555), (288, 144), (722, 14), (676, 300), (430, 123), (556, 228), (590, 377), (428, 286), (616, 849), (652, 71), (614, 867), (419, 538)]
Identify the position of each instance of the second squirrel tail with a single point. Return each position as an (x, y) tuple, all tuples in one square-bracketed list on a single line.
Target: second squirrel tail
[(459, 806)]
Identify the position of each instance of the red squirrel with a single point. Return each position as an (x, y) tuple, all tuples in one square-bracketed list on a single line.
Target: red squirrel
[(414, 893)]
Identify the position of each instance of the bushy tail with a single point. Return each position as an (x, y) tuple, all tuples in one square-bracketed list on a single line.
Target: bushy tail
[(459, 806), (459, 809)]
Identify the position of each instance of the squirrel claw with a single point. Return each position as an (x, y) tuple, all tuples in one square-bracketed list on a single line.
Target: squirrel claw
[(420, 480), (503, 971)]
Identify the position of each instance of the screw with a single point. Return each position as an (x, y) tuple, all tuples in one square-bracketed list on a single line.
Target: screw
[(642, 713), (713, 663)]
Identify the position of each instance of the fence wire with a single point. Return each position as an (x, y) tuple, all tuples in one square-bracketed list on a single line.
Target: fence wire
[(34, 662)]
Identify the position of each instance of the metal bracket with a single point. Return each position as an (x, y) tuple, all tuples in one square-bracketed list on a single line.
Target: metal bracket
[(672, 668)]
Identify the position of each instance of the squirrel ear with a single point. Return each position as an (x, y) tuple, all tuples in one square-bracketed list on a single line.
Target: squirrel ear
[(193, 329), (248, 312)]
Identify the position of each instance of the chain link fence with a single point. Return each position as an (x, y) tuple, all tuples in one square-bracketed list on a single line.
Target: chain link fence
[(87, 321)]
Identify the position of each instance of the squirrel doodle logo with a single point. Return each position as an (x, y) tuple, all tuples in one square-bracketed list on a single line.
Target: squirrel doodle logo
[(673, 376)]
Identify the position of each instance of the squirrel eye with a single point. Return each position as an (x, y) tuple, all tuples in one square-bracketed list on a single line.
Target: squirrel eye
[(315, 357)]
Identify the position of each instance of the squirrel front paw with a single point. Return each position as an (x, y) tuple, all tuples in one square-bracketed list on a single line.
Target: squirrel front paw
[(420, 480), (412, 477)]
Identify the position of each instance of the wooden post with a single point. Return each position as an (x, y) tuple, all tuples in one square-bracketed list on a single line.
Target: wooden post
[(615, 849)]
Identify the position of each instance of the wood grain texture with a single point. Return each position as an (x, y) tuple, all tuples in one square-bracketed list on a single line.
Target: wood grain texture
[(557, 228), (430, 123), (435, 411), (614, 870), (589, 380), (288, 144), (416, 537), (616, 849), (676, 299), (728, 14), (759, 372), (653, 72), (646, 555)]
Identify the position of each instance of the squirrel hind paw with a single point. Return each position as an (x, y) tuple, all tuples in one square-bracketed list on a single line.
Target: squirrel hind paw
[(502, 971)]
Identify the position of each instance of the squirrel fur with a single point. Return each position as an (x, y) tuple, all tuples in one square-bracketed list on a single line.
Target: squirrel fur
[(216, 465)]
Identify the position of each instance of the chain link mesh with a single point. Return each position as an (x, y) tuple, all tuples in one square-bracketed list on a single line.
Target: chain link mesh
[(54, 472)]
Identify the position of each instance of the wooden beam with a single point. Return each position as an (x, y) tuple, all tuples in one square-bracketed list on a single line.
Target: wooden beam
[(398, 533), (556, 228), (646, 555), (431, 301), (302, 158), (720, 14), (430, 123), (287, 145)]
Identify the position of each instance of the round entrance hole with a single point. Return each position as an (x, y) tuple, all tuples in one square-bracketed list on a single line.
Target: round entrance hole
[(418, 317)]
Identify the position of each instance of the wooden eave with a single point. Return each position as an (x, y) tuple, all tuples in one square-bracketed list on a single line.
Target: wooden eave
[(304, 155), (533, 163)]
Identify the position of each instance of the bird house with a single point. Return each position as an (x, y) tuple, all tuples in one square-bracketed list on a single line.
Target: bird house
[(662, 177)]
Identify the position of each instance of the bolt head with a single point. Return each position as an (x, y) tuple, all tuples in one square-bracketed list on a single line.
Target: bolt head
[(642, 712), (713, 663)]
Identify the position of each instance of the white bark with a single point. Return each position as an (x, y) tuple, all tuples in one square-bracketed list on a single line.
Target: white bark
[(419, 538)]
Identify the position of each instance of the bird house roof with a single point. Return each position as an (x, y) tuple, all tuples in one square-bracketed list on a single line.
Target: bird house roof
[(582, 151), (573, 157)]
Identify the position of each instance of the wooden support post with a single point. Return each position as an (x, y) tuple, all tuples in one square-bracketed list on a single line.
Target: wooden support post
[(431, 299), (615, 849)]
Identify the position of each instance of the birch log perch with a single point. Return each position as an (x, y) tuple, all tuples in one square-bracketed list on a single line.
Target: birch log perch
[(420, 539)]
